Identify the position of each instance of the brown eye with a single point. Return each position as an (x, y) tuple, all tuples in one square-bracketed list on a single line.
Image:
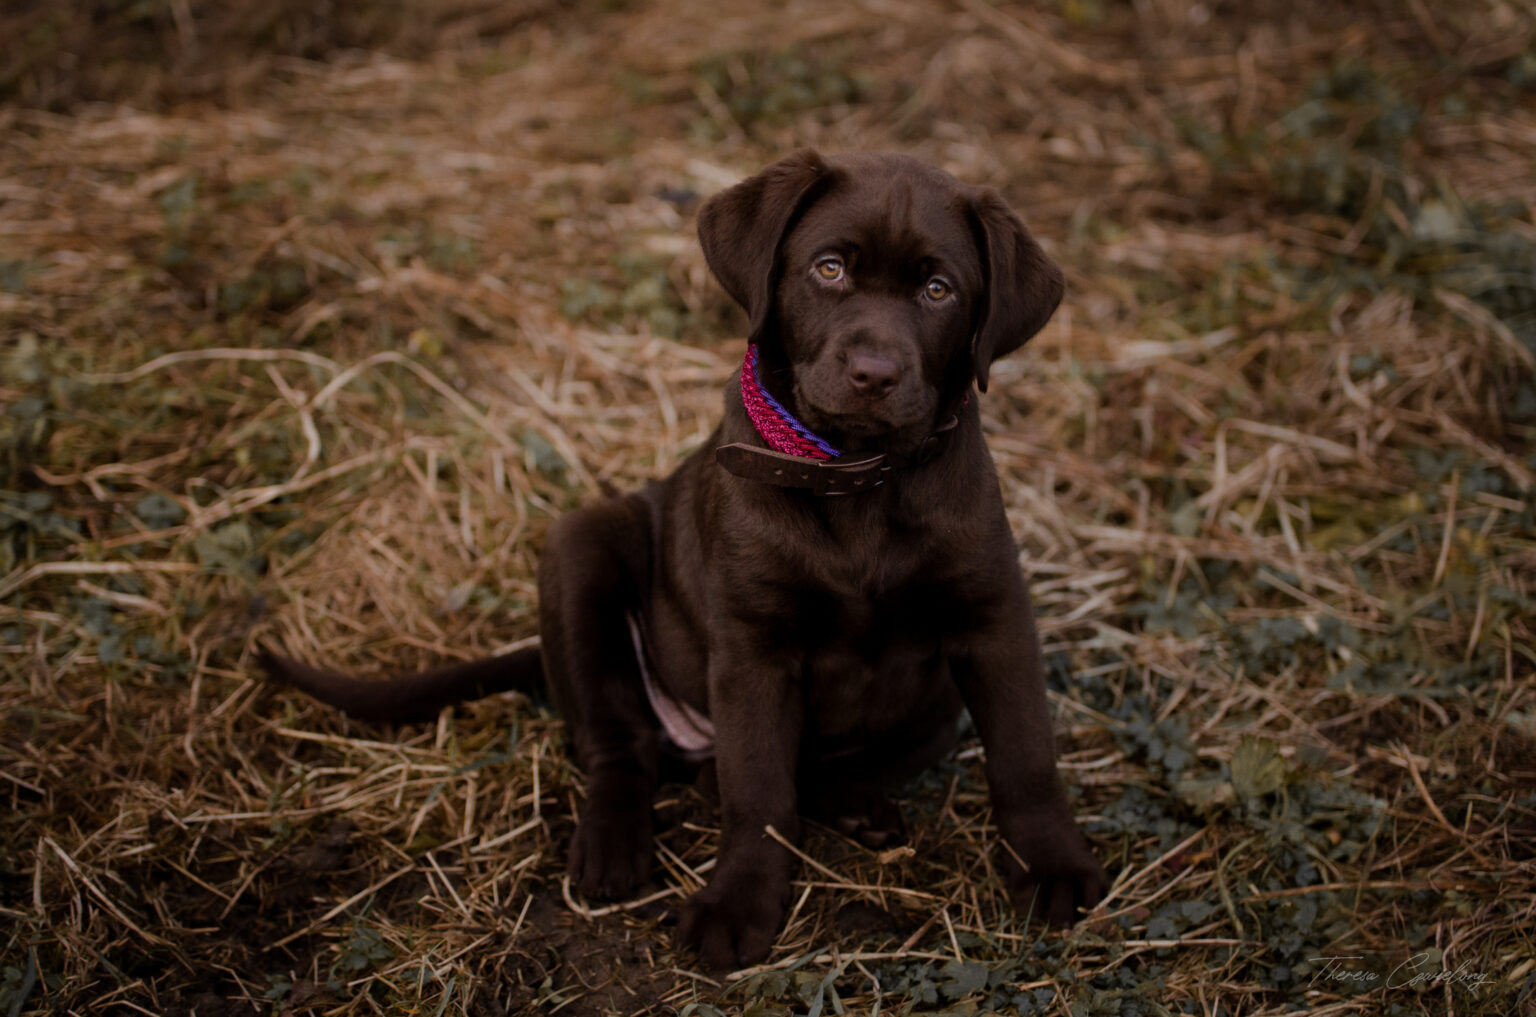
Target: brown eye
[(830, 269), (937, 289)]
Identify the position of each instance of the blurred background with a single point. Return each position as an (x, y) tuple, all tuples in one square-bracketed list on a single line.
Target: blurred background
[(312, 316)]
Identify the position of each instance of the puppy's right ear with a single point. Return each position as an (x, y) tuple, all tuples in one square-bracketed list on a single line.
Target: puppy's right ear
[(741, 229)]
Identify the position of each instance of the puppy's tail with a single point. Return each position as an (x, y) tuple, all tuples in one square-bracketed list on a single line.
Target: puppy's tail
[(416, 696)]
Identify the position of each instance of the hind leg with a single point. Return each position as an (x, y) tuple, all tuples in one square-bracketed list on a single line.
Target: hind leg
[(592, 573)]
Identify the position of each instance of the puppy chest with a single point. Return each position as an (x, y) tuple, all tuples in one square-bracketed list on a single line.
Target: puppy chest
[(844, 683), (870, 669)]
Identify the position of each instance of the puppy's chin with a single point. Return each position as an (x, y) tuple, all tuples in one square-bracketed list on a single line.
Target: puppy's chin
[(875, 429)]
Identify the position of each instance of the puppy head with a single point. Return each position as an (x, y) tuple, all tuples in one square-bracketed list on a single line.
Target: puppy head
[(878, 286)]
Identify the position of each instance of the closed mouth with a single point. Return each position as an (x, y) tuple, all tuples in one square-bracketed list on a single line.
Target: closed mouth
[(861, 423)]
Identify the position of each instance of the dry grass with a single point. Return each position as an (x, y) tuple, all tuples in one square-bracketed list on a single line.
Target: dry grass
[(308, 343)]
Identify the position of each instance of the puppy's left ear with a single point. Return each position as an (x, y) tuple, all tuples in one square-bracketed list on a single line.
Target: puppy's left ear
[(1023, 285), (742, 227)]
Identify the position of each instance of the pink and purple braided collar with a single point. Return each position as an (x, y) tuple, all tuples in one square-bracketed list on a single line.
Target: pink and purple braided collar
[(775, 424)]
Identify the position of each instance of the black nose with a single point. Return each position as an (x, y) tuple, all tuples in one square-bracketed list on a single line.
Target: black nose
[(872, 374)]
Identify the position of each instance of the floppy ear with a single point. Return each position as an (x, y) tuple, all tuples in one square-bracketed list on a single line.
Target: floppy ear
[(1023, 285), (741, 229)]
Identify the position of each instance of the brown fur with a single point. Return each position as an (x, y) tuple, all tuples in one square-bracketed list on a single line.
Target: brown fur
[(832, 641)]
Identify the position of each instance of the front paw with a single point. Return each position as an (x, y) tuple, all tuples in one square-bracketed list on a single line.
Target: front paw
[(732, 923), (1063, 877), (612, 850)]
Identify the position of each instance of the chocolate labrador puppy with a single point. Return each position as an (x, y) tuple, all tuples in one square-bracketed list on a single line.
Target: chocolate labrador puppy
[(814, 595)]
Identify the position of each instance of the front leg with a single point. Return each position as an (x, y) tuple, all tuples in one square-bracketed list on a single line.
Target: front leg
[(999, 672), (755, 703)]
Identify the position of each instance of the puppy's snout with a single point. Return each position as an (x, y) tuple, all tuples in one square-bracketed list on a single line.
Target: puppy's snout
[(872, 374)]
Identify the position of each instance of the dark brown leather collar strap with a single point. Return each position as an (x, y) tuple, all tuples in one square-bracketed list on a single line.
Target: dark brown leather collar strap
[(843, 475), (820, 476)]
